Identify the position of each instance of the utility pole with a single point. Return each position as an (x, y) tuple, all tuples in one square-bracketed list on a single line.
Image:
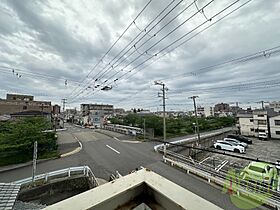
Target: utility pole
[(34, 161), (164, 89), (64, 101), (42, 109), (196, 120), (144, 126)]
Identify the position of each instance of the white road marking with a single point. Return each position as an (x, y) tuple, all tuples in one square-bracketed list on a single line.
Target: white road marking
[(222, 166), (113, 149), (204, 160)]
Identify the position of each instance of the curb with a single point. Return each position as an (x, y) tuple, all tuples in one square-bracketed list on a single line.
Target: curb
[(78, 149), (125, 141), (22, 165)]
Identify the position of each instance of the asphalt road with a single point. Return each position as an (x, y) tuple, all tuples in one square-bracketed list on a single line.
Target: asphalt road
[(106, 155)]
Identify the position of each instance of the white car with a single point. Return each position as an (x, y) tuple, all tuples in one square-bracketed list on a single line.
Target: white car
[(229, 146), (235, 141)]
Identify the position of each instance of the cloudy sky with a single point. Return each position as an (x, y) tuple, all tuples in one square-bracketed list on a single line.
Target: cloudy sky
[(53, 49)]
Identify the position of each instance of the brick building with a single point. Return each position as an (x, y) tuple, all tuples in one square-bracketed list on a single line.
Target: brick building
[(21, 103)]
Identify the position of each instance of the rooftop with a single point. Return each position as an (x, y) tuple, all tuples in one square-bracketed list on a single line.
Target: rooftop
[(142, 189)]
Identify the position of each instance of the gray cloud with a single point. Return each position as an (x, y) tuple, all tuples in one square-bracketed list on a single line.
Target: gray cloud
[(66, 39)]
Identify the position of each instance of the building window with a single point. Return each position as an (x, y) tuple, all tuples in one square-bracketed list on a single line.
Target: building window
[(277, 122), (24, 107), (251, 120), (260, 115), (262, 122), (252, 129), (261, 130), (277, 132)]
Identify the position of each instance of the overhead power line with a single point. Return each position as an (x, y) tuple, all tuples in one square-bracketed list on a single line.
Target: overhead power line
[(109, 50), (122, 55), (211, 18), (176, 28)]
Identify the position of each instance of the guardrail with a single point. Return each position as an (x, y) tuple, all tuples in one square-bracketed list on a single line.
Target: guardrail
[(67, 172), (222, 179), (182, 141)]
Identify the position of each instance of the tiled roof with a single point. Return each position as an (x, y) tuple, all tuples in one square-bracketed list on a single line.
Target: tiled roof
[(8, 195)]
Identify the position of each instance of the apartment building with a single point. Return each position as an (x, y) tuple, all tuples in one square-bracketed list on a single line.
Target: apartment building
[(246, 123), (274, 123), (259, 121), (275, 105), (106, 108), (206, 111), (15, 103)]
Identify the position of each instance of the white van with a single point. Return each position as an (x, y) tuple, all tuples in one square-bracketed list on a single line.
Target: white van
[(263, 135)]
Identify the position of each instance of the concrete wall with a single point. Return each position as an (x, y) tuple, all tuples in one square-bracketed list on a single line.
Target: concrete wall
[(245, 126), (56, 191), (274, 128)]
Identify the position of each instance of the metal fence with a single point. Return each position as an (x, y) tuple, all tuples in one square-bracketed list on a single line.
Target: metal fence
[(222, 178), (67, 172)]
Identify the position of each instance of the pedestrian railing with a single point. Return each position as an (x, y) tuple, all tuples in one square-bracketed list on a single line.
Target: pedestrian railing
[(183, 141), (67, 172), (223, 179)]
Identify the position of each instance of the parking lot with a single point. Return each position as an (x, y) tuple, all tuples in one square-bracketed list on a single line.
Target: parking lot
[(263, 150)]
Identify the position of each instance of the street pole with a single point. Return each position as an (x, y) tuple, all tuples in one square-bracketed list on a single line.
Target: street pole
[(34, 161), (196, 120), (163, 104), (64, 101), (144, 129)]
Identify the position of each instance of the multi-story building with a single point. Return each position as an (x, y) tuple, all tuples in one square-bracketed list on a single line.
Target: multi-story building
[(205, 111), (274, 123), (246, 123), (222, 107), (21, 103), (96, 114), (275, 105), (56, 109), (261, 123), (253, 123), (106, 108)]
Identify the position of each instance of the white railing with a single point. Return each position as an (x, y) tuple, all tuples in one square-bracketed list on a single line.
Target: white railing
[(220, 178), (67, 172), (182, 141)]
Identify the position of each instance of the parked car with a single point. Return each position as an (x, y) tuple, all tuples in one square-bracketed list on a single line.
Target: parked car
[(220, 144), (263, 136), (240, 138), (259, 172), (236, 142)]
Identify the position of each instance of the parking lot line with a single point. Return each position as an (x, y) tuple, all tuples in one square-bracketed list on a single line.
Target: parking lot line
[(221, 165), (204, 160)]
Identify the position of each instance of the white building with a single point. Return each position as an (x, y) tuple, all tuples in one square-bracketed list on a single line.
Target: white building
[(205, 111), (208, 111), (275, 105), (246, 124), (274, 123), (261, 123)]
